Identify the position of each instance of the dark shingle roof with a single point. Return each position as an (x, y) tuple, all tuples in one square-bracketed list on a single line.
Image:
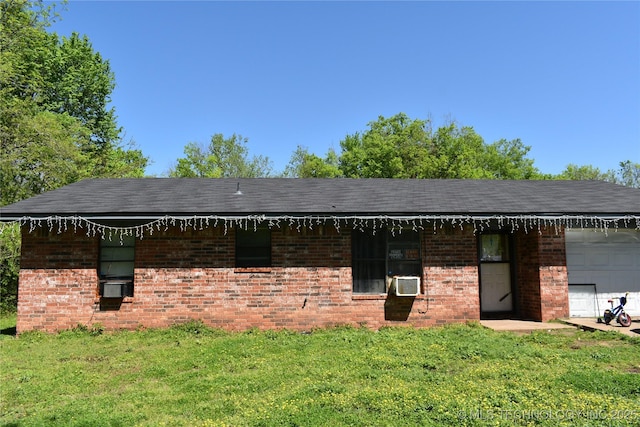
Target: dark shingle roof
[(200, 196)]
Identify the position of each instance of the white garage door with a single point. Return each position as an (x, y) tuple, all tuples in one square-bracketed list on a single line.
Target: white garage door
[(610, 261)]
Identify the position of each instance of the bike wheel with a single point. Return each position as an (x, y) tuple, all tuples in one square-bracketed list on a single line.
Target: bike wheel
[(624, 319)]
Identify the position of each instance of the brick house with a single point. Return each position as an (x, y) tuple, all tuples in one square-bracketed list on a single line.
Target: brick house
[(303, 253)]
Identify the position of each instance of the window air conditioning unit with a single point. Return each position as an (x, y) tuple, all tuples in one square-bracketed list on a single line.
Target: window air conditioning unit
[(114, 289), (406, 286)]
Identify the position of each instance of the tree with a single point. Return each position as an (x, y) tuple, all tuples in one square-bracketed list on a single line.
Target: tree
[(306, 165), (56, 126), (587, 172), (395, 147), (222, 158), (457, 152), (79, 83), (42, 156), (628, 174), (508, 160), (401, 147)]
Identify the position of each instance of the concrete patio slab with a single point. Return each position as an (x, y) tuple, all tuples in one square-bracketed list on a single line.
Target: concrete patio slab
[(586, 323), (522, 325), (591, 324)]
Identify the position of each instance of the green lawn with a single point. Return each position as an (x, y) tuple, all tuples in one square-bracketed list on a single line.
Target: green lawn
[(194, 376)]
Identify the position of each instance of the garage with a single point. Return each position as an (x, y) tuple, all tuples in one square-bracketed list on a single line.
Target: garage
[(602, 266)]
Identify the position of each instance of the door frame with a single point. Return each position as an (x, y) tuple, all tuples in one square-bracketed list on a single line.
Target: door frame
[(512, 274)]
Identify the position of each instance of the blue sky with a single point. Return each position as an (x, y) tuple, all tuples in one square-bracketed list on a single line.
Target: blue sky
[(564, 77)]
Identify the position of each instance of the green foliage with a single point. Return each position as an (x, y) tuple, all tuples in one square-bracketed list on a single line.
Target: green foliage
[(397, 147), (222, 158), (586, 172), (306, 165), (43, 156), (55, 124), (628, 174), (9, 267), (196, 376), (197, 163), (401, 147), (508, 160), (25, 48), (455, 153), (79, 83)]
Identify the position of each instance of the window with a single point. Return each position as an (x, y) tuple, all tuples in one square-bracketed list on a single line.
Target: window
[(116, 266), (381, 255), (369, 261), (495, 247), (253, 248)]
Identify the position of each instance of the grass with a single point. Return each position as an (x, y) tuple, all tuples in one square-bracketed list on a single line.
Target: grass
[(7, 324), (190, 375)]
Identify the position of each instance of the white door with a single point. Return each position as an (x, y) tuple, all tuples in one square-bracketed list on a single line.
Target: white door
[(611, 261), (495, 273), (495, 293)]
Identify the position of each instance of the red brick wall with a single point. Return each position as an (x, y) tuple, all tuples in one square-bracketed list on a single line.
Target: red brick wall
[(543, 285), (554, 279), (183, 275), (451, 270), (58, 280), (527, 301)]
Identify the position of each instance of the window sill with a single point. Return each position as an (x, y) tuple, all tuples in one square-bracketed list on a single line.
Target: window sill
[(378, 297), (365, 297), (252, 270), (123, 300)]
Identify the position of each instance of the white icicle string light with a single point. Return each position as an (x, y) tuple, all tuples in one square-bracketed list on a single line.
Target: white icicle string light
[(395, 224)]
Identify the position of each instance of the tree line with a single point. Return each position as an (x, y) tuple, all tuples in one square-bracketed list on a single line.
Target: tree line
[(57, 127), (392, 147)]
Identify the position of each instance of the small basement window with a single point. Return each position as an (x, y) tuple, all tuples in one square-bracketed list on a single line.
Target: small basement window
[(116, 267), (253, 247)]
